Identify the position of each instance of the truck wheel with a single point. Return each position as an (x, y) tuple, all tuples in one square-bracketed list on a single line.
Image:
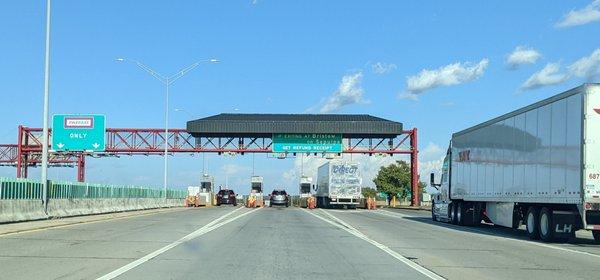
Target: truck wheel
[(453, 213), (596, 234), (433, 216), (531, 223), (546, 229), (460, 213)]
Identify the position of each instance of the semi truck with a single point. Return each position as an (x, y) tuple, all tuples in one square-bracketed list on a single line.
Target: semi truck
[(538, 166), (338, 184)]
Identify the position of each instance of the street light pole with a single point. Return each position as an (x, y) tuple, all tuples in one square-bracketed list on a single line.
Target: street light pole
[(46, 109), (166, 140), (167, 81)]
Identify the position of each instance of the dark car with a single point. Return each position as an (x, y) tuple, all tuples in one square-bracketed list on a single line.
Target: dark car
[(226, 197), (279, 197)]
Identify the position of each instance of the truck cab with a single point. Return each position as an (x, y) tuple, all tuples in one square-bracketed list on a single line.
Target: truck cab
[(440, 201)]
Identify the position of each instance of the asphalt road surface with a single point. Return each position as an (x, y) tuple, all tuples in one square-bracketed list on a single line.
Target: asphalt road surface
[(289, 243)]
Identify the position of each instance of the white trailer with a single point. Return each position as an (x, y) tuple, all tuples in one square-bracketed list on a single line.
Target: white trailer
[(539, 165), (338, 183)]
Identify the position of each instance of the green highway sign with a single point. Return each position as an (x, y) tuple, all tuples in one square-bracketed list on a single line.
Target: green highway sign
[(78, 133), (307, 143)]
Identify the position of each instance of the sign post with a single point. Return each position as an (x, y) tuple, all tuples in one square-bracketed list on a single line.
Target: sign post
[(307, 143), (78, 133)]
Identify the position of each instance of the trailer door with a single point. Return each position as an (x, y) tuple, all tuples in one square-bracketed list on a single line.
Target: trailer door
[(591, 174)]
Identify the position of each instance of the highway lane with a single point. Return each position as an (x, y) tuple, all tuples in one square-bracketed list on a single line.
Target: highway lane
[(485, 252), (85, 251), (289, 243), (275, 243)]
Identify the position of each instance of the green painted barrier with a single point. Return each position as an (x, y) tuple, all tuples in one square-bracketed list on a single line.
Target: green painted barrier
[(11, 188)]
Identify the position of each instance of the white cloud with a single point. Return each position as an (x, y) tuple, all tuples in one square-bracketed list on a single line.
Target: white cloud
[(431, 152), (383, 68), (522, 55), (549, 75), (586, 67), (452, 74), (590, 13), (234, 169), (430, 161), (428, 167), (349, 92)]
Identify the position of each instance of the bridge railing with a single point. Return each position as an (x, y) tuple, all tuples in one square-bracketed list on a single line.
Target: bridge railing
[(11, 188)]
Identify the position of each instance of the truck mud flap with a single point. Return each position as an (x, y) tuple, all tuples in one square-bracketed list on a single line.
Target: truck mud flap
[(565, 223)]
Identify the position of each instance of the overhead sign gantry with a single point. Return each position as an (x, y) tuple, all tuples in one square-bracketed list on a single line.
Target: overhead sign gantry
[(234, 133)]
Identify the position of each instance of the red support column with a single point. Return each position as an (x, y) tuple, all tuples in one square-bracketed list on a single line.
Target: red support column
[(414, 168), (20, 152), (81, 167)]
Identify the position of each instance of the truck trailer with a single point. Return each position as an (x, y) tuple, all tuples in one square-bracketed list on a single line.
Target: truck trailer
[(538, 166), (338, 184)]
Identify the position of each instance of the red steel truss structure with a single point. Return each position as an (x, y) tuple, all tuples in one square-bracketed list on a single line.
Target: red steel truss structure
[(147, 141)]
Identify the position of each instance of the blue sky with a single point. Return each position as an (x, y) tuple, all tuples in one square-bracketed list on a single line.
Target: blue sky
[(439, 66)]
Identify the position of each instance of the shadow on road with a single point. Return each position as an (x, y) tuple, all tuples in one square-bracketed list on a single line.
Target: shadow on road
[(499, 231)]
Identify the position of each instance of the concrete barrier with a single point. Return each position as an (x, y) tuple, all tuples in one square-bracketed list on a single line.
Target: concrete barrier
[(21, 210), (27, 210)]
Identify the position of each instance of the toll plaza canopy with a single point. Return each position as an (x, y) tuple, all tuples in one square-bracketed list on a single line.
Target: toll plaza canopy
[(264, 125)]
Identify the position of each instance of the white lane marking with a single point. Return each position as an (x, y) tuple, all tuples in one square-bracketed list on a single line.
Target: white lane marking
[(343, 225), (486, 234), (199, 232)]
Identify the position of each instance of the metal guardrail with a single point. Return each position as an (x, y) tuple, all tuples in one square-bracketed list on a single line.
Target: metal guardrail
[(11, 188)]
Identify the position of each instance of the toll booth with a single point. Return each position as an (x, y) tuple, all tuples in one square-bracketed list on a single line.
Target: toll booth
[(304, 190), (206, 194), (256, 191)]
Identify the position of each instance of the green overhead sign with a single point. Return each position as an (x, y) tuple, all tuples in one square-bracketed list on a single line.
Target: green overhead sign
[(307, 143), (78, 133)]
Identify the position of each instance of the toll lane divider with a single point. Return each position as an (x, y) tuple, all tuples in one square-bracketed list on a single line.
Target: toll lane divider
[(215, 224), (350, 229)]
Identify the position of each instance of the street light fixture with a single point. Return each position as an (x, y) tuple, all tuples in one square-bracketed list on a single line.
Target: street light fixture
[(167, 81)]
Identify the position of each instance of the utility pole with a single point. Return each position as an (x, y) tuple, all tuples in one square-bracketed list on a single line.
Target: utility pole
[(45, 134)]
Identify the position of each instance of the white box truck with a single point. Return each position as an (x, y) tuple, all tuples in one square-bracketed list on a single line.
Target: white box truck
[(538, 166), (338, 184)]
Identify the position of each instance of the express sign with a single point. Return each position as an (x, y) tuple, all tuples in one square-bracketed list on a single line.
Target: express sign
[(78, 133)]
